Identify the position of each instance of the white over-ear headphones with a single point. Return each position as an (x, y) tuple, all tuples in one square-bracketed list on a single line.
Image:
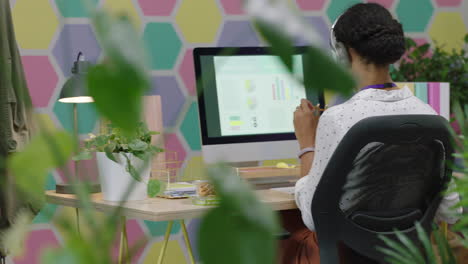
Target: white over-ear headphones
[(338, 49)]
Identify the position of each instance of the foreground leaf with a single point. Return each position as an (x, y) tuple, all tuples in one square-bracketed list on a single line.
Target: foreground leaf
[(154, 186), (242, 224), (31, 166), (280, 44)]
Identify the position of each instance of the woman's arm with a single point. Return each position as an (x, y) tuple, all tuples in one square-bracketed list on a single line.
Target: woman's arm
[(306, 119)]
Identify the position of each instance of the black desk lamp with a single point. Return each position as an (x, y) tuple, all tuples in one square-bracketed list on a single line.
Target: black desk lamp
[(74, 91)]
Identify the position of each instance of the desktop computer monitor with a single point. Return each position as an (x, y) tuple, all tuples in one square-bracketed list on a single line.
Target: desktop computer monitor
[(246, 100)]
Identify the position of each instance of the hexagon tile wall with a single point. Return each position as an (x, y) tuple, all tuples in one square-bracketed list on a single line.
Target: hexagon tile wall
[(50, 33)]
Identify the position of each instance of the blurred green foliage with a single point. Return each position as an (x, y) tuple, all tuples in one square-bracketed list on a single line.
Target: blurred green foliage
[(441, 66)]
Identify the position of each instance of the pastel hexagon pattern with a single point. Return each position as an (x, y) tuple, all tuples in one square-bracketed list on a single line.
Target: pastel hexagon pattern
[(190, 128), (172, 143), (187, 72), (87, 116), (311, 4), (124, 7), (74, 8), (73, 39), (163, 44), (386, 3), (41, 79), (199, 20), (174, 253), (319, 24), (449, 3), (36, 242), (337, 7), (65, 213), (35, 23), (171, 96), (157, 229), (192, 229), (448, 39), (157, 7), (233, 7), (238, 33), (414, 21), (194, 169), (134, 235)]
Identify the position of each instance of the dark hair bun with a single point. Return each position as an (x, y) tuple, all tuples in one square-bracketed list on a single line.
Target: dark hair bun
[(371, 30)]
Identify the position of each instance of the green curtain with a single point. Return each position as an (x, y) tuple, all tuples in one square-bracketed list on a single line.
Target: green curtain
[(15, 119)]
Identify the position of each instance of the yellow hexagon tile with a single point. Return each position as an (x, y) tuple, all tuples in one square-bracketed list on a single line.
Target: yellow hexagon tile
[(199, 20), (174, 253), (35, 23), (448, 30), (124, 7), (44, 121), (194, 170)]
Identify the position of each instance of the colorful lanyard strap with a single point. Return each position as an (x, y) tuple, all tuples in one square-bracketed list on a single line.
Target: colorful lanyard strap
[(379, 86)]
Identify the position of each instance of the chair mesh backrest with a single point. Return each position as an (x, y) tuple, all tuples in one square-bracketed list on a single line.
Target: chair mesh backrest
[(389, 177), (382, 164)]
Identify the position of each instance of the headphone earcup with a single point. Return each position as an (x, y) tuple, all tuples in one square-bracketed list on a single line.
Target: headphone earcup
[(341, 53)]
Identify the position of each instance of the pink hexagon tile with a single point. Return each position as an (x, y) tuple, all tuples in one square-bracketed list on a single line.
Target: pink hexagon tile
[(311, 5), (450, 3), (172, 143), (233, 7), (385, 3), (187, 73), (36, 242), (157, 7), (41, 79)]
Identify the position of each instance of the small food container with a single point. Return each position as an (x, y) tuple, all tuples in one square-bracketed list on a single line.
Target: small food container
[(204, 188)]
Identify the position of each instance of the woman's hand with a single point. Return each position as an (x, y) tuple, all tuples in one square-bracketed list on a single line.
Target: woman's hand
[(306, 119)]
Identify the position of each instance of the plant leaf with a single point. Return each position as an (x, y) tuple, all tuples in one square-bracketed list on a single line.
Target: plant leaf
[(31, 166), (280, 43), (154, 187), (138, 145), (326, 74)]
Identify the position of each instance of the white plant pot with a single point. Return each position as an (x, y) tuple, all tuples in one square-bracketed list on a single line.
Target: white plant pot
[(115, 179)]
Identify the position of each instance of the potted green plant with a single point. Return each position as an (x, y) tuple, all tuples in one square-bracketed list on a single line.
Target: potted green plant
[(123, 160)]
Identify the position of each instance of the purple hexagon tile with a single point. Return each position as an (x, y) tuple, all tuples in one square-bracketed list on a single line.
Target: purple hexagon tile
[(450, 3), (187, 72), (322, 28), (73, 39), (386, 3), (157, 7), (87, 171), (41, 79), (171, 96), (310, 4), (192, 230), (172, 143), (233, 7), (36, 242), (135, 234), (238, 33)]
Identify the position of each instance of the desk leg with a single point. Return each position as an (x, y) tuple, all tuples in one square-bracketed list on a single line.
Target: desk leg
[(123, 250), (166, 240), (187, 241), (77, 212)]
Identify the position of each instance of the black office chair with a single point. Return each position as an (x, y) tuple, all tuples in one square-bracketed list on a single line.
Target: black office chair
[(387, 173)]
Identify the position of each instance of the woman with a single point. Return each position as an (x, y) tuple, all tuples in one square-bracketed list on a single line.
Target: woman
[(368, 40)]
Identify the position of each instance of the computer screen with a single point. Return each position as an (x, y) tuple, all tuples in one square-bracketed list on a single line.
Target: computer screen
[(248, 95)]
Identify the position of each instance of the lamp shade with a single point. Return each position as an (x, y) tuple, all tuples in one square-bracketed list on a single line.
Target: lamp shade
[(74, 90)]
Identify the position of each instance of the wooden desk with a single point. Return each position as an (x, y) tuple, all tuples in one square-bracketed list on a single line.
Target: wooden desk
[(159, 209)]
